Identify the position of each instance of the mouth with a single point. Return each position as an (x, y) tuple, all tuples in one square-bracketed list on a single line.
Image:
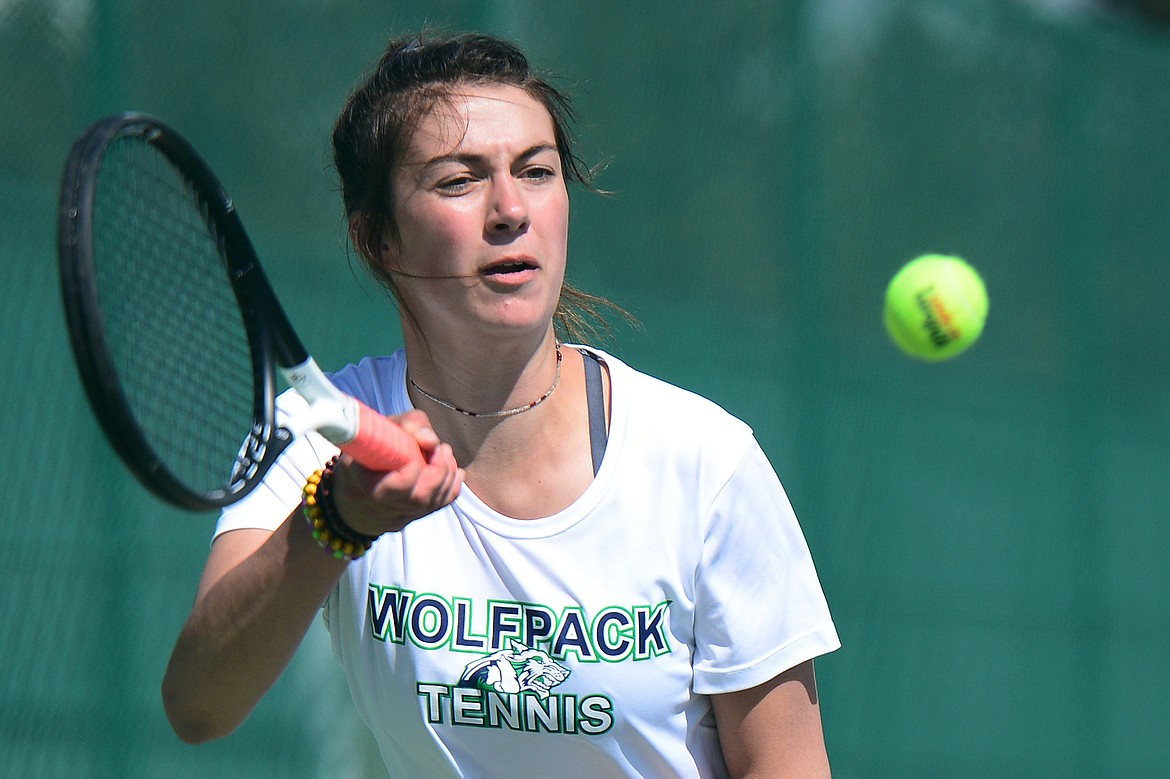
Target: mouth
[(509, 268)]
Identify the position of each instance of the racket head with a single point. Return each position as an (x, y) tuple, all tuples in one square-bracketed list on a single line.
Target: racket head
[(176, 361)]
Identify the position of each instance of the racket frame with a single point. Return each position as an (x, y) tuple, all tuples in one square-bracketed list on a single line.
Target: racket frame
[(272, 340)]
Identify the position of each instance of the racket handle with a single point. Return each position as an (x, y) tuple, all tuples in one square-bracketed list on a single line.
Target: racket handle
[(356, 429), (380, 444)]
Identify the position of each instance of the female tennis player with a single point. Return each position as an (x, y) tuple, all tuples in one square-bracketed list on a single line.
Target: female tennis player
[(594, 573)]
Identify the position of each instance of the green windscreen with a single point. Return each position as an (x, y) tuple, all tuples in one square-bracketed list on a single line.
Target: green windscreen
[(990, 531)]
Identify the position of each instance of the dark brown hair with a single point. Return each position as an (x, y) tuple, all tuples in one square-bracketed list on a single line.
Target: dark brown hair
[(375, 127)]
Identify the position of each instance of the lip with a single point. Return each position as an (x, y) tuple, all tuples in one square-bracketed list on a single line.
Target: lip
[(511, 269)]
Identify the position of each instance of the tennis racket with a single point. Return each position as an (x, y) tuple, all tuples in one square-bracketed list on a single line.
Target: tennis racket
[(176, 331)]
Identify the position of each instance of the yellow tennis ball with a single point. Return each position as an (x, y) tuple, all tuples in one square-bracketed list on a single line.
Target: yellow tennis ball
[(935, 307)]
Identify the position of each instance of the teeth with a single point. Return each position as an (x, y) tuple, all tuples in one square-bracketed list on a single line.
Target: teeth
[(508, 267)]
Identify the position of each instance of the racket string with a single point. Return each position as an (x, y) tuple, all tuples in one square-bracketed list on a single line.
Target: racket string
[(173, 324)]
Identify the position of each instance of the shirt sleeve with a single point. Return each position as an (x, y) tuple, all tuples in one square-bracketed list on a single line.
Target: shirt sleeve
[(759, 606)]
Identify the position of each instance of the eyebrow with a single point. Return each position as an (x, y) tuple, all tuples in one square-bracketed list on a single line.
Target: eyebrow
[(480, 159)]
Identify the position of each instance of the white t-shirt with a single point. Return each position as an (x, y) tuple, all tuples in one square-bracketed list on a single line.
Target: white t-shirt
[(583, 644)]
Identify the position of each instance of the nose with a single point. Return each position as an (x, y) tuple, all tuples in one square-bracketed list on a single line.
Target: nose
[(509, 207)]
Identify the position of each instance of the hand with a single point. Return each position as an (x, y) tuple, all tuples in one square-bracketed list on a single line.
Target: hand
[(373, 502)]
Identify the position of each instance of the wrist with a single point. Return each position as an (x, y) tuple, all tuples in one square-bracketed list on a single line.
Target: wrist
[(329, 529)]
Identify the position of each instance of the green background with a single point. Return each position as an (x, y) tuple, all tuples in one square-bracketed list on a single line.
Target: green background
[(991, 532)]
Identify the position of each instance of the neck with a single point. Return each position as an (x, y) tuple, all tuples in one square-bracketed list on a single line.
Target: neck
[(476, 380), (505, 412)]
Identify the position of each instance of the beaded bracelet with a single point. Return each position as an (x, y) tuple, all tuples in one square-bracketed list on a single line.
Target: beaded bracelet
[(329, 529)]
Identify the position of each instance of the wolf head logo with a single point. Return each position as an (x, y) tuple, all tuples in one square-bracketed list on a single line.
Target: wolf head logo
[(514, 670)]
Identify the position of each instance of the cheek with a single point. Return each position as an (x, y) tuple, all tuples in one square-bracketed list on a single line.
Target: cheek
[(555, 220), (431, 242)]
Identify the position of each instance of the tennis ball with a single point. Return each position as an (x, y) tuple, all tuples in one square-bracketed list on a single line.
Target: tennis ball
[(935, 307)]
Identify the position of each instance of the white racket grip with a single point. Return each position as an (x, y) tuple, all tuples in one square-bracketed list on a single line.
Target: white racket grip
[(355, 428)]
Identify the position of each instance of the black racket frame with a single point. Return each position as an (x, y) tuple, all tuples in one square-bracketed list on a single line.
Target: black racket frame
[(272, 340)]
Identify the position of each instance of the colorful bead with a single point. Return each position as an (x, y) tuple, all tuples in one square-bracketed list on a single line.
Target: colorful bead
[(328, 528)]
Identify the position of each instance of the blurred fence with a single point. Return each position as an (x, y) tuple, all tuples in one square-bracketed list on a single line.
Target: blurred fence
[(991, 532)]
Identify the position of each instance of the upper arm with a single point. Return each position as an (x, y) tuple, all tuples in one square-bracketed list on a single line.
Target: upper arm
[(773, 730), (227, 551)]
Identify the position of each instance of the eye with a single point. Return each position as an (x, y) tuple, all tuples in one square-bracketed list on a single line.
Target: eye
[(537, 173), (456, 184)]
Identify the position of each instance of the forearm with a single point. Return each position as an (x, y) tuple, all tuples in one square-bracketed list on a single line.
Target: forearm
[(244, 629)]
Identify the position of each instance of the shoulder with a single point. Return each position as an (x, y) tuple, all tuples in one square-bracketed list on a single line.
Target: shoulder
[(376, 381), (670, 408), (675, 427)]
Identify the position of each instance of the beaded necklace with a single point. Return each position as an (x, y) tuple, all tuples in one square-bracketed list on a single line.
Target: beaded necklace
[(492, 414)]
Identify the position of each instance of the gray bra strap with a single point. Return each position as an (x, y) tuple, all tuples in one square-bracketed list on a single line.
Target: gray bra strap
[(595, 393)]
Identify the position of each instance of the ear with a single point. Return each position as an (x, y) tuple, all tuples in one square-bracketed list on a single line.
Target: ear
[(357, 223), (385, 253)]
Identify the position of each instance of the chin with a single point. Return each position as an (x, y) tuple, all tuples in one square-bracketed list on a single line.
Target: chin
[(519, 317)]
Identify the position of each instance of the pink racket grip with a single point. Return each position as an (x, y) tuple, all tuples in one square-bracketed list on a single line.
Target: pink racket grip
[(381, 445)]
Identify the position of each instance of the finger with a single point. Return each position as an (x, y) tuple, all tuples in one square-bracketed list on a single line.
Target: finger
[(444, 457), (413, 482), (418, 425), (402, 481), (435, 476), (447, 492), (449, 479), (454, 486), (448, 488), (371, 482)]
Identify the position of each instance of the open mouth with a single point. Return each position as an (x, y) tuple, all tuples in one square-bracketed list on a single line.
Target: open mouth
[(509, 267)]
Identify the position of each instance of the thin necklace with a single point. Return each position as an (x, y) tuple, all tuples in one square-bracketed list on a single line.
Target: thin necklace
[(491, 414)]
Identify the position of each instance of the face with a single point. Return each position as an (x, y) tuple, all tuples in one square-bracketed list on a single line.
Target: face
[(483, 217)]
